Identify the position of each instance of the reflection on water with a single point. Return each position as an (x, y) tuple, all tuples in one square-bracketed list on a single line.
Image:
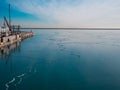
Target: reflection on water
[(6, 51)]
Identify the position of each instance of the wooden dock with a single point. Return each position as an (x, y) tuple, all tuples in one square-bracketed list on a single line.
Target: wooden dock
[(8, 40)]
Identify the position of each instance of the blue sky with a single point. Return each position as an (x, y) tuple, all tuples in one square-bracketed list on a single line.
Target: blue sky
[(63, 13)]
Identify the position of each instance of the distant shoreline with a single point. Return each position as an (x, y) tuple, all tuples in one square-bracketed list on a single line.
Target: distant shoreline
[(78, 28)]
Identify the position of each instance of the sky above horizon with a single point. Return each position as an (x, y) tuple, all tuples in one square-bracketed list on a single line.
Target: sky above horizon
[(63, 13)]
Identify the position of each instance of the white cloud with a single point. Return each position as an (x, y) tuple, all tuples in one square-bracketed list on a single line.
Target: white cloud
[(74, 13)]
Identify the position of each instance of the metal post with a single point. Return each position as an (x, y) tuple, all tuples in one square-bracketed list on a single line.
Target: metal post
[(9, 16), (10, 28)]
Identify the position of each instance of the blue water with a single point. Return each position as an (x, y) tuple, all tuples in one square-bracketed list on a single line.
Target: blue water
[(62, 60)]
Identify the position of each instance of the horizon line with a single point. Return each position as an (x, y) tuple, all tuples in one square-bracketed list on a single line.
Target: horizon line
[(74, 28)]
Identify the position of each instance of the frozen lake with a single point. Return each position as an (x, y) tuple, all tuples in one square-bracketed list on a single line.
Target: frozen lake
[(63, 60)]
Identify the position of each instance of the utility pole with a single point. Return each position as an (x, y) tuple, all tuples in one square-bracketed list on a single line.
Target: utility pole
[(9, 17)]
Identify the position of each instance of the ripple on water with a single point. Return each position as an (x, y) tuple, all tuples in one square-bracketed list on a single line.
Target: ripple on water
[(14, 82)]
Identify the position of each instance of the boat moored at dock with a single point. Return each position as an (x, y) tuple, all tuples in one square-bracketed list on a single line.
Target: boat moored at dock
[(10, 34)]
